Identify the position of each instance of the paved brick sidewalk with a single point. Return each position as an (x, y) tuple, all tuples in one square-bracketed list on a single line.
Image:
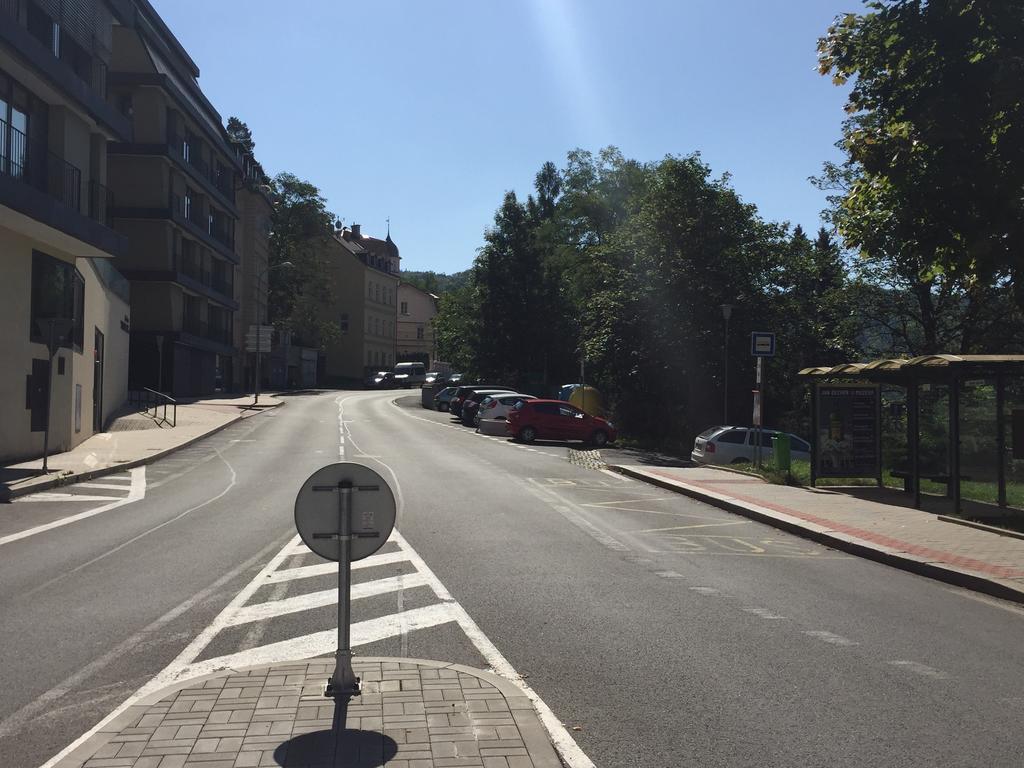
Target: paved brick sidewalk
[(907, 538), (117, 450), (411, 714)]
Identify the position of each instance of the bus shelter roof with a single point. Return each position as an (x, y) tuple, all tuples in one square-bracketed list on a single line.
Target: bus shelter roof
[(923, 368)]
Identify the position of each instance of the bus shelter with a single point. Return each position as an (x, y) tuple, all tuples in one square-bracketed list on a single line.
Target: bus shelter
[(850, 386)]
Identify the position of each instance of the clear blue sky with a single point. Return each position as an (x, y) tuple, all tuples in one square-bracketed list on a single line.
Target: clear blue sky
[(427, 111)]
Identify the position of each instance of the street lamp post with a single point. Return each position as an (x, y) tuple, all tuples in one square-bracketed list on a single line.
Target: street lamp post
[(726, 313), (260, 276)]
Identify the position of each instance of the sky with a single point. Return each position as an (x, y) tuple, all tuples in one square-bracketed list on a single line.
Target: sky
[(426, 112)]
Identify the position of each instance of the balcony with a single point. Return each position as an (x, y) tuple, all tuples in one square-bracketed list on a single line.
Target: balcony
[(44, 186), (219, 177), (219, 337), (186, 211)]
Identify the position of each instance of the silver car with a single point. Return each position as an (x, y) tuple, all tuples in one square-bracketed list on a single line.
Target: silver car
[(736, 445)]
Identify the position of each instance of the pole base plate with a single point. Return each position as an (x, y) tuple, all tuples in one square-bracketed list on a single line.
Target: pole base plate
[(352, 687)]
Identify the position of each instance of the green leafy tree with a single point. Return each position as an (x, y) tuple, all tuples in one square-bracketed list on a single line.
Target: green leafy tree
[(300, 226), (239, 132), (933, 183)]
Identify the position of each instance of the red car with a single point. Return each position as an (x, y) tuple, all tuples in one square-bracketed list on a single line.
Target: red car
[(557, 420)]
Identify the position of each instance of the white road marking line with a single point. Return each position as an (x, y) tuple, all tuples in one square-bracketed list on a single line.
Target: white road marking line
[(704, 590), (64, 497), (994, 602), (920, 669), (327, 569), (137, 492), (829, 637), (764, 613), (669, 575), (105, 486), (272, 608), (323, 643)]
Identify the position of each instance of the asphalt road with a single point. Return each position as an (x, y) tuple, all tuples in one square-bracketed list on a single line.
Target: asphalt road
[(660, 631)]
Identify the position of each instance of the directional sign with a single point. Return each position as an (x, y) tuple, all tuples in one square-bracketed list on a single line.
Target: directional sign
[(371, 510), (259, 336), (762, 344)]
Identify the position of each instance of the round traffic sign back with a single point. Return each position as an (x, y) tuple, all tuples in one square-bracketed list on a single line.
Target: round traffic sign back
[(371, 510)]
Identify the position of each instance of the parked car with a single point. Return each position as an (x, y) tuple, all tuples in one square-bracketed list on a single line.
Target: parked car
[(455, 404), (456, 379), (734, 445), (557, 420), (380, 379), (442, 398), (472, 403), (410, 374), (497, 406), (434, 377)]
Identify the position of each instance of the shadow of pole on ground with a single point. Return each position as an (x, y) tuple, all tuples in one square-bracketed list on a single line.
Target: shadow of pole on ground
[(338, 747)]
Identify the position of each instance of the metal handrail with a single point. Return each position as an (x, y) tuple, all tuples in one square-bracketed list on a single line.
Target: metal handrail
[(48, 172), (150, 398)]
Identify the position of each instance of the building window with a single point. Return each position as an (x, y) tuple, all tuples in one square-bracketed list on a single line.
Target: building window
[(405, 307), (187, 204), (369, 291), (343, 322), (419, 332), (58, 292)]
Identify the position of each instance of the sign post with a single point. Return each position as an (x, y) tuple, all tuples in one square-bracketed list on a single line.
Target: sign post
[(337, 527), (258, 338), (762, 345)]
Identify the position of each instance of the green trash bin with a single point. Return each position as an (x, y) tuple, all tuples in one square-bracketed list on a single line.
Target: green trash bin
[(780, 450)]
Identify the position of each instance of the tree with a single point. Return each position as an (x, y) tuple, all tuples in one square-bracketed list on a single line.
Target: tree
[(300, 226), (934, 175), (239, 132)]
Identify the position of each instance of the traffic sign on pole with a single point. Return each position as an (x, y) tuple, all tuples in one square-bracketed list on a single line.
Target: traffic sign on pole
[(762, 344), (344, 512)]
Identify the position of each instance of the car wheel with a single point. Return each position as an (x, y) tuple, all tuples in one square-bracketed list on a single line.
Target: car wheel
[(527, 434), (599, 439)]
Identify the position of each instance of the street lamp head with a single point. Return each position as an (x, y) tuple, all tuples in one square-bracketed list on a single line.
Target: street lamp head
[(727, 311)]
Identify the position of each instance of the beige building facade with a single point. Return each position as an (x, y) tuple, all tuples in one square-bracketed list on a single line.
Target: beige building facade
[(364, 281), (56, 239), (416, 311)]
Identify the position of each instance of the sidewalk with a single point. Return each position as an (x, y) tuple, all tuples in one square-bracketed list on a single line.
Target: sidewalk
[(411, 714), (900, 536), (131, 440)]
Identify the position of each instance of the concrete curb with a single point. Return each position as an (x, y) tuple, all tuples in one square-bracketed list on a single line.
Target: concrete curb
[(6, 494), (843, 543), (535, 737)]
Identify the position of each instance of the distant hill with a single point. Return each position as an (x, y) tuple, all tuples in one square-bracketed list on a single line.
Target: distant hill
[(436, 282)]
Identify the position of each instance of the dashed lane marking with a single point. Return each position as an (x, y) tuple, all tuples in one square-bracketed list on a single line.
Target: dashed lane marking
[(764, 613), (920, 669), (829, 637)]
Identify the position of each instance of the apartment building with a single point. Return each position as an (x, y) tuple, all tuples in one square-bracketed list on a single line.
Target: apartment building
[(364, 274), (416, 311), (252, 274), (174, 181), (56, 238)]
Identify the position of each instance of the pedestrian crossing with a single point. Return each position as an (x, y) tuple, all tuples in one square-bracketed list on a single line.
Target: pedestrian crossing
[(311, 584), (116, 487)]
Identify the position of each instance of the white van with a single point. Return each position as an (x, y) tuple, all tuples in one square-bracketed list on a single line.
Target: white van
[(410, 374)]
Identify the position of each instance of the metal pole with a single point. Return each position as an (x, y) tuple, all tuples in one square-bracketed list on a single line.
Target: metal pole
[(760, 415), (256, 397), (914, 426), (814, 433), (1001, 438), (49, 392), (344, 680), (725, 379), (954, 442)]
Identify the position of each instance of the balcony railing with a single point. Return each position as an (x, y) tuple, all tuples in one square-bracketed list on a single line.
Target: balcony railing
[(43, 170), (194, 325), (221, 234), (101, 204), (9, 7)]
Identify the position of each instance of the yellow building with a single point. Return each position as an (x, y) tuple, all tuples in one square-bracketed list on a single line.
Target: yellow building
[(56, 239), (416, 311), (364, 282)]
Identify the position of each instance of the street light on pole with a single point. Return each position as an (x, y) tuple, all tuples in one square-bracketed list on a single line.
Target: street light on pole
[(726, 313), (260, 276)]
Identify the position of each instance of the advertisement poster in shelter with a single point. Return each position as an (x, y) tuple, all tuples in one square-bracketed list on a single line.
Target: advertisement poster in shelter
[(848, 431)]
